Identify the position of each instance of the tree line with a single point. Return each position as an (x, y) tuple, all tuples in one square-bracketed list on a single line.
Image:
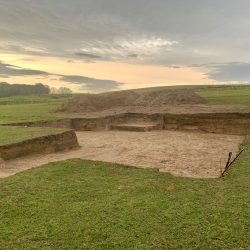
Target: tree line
[(7, 89)]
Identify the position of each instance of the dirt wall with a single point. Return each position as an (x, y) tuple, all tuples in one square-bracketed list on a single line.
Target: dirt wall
[(236, 124), (41, 145), (2, 163), (104, 123), (220, 123)]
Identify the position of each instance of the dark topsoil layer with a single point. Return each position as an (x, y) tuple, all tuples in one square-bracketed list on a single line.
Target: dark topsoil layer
[(150, 98)]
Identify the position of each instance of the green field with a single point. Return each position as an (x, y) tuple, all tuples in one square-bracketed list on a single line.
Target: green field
[(31, 99), (225, 94), (79, 204), (31, 108), (9, 134)]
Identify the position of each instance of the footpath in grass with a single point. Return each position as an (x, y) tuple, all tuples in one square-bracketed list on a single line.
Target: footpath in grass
[(80, 204), (12, 134)]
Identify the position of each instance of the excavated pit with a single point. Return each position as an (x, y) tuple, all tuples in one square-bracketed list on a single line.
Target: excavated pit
[(190, 145), (219, 123)]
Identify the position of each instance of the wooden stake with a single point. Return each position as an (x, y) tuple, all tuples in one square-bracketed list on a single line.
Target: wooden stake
[(229, 162)]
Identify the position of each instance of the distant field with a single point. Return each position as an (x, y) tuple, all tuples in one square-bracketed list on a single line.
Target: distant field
[(52, 98), (225, 94), (80, 204), (10, 134), (27, 112), (30, 108)]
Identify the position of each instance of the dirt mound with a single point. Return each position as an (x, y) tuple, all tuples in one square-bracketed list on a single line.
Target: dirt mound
[(169, 97), (150, 98)]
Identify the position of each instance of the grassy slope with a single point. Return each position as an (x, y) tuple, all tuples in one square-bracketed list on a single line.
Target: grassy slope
[(10, 135), (89, 205), (226, 94)]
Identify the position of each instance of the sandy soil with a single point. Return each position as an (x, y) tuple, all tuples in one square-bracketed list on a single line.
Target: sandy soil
[(149, 98), (189, 154), (170, 109)]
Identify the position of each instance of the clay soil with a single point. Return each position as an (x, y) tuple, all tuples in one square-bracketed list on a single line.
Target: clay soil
[(189, 154)]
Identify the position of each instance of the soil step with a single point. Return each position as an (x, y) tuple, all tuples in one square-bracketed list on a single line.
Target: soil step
[(134, 127)]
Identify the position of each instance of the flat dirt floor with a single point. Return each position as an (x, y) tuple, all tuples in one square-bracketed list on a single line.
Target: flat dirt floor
[(189, 154)]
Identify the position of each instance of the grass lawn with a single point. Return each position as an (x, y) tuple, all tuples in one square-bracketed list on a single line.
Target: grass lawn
[(30, 108), (225, 94), (28, 99), (28, 112), (10, 134), (80, 204)]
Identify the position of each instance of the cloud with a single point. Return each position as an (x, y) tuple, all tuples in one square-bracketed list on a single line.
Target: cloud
[(88, 83), (92, 84), (233, 71), (8, 70), (159, 32), (162, 32), (132, 56), (87, 55)]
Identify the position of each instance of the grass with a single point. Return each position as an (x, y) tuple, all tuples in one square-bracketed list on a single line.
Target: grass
[(11, 134), (80, 204), (28, 99), (226, 94), (30, 108), (28, 112)]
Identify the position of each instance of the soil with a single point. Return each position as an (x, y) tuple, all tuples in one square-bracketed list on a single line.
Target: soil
[(153, 98), (2, 164), (46, 144), (165, 109), (189, 154)]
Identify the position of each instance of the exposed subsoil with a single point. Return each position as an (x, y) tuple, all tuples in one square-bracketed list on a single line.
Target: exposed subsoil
[(130, 98), (189, 154), (164, 109), (45, 144)]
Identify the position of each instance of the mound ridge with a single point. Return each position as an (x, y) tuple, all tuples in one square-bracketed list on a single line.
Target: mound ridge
[(150, 98)]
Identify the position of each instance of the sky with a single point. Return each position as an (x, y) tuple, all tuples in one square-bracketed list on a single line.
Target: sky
[(103, 45)]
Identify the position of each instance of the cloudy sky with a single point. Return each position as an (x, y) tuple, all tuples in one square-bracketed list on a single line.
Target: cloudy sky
[(102, 45)]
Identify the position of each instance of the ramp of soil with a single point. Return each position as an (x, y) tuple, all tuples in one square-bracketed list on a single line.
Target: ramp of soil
[(150, 98)]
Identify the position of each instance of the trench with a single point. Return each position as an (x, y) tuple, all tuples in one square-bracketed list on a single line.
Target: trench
[(218, 123), (192, 145)]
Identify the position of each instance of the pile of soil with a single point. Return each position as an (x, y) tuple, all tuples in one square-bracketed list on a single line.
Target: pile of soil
[(150, 98)]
